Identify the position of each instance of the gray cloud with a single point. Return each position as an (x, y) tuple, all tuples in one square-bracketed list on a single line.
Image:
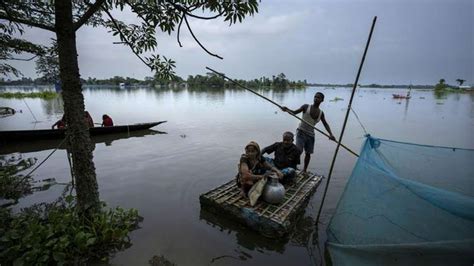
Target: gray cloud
[(322, 41)]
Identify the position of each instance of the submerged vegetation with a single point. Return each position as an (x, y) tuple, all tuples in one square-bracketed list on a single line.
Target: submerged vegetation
[(20, 95), (58, 232), (13, 186)]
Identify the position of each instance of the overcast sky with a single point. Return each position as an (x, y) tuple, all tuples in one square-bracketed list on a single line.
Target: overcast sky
[(415, 41)]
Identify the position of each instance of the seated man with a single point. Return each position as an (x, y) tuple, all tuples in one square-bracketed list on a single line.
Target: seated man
[(107, 121), (252, 168), (287, 156)]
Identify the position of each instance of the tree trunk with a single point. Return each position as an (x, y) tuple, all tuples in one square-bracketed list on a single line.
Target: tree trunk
[(77, 128)]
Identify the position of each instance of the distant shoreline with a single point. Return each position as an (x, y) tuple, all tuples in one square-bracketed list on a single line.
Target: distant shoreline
[(373, 86)]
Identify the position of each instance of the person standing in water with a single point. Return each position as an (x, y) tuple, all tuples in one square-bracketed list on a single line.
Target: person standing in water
[(305, 133)]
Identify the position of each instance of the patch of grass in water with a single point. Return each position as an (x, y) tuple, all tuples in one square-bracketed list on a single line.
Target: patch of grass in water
[(20, 95)]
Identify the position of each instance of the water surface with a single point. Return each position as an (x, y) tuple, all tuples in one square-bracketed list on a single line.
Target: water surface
[(162, 175)]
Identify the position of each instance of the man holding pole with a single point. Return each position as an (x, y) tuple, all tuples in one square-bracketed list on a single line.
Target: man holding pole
[(305, 131)]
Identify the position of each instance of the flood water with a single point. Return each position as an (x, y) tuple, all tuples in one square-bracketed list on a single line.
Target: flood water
[(162, 175)]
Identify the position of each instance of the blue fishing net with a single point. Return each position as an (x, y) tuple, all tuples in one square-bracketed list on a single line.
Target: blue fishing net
[(406, 204)]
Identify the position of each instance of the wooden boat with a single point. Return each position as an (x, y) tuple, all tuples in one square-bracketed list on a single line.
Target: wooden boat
[(28, 135), (399, 96), (270, 220)]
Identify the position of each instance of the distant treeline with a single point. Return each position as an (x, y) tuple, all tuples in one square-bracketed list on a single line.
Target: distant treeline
[(213, 80), (199, 81), (208, 80), (350, 85), (90, 81)]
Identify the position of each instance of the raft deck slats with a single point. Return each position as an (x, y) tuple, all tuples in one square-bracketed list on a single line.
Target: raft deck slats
[(270, 220), (288, 201)]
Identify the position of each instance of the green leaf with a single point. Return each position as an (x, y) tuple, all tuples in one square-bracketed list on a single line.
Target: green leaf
[(59, 257), (69, 198), (91, 241), (44, 258)]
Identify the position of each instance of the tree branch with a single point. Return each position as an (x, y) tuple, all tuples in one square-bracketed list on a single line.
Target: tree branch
[(179, 29), (192, 33), (20, 59), (28, 23), (205, 18), (187, 12), (89, 13), (123, 36)]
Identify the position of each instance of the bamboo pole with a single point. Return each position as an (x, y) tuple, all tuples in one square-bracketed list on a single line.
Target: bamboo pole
[(345, 119), (36, 120), (258, 94)]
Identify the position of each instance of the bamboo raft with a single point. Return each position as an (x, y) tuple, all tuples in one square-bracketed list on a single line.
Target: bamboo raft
[(270, 220)]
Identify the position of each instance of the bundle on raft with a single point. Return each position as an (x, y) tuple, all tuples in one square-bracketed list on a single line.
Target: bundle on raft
[(271, 220)]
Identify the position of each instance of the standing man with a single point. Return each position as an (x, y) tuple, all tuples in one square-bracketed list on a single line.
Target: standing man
[(305, 133)]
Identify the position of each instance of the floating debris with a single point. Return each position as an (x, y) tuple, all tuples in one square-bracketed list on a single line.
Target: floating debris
[(6, 111), (16, 160), (336, 99)]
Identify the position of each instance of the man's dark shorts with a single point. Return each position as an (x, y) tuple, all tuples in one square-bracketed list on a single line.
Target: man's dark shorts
[(304, 142)]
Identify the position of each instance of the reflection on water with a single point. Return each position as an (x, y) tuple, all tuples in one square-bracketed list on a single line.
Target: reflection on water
[(15, 185), (304, 236), (245, 238), (405, 113), (49, 144), (214, 95), (53, 106), (440, 94)]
